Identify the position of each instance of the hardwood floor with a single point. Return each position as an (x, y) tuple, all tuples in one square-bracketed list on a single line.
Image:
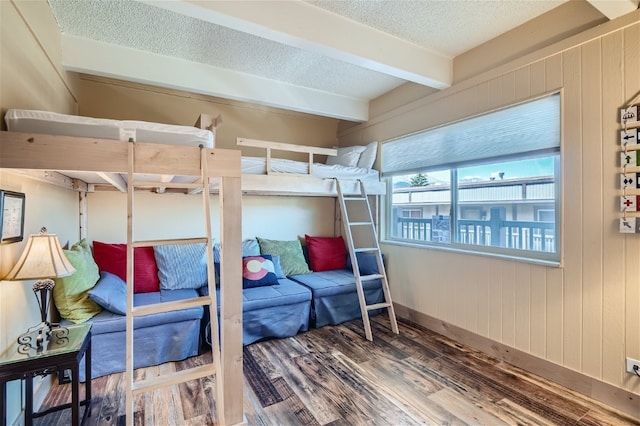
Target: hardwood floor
[(333, 376)]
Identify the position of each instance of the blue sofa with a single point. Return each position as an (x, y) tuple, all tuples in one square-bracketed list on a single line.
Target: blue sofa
[(159, 338), (271, 311), (268, 312), (305, 301), (335, 298)]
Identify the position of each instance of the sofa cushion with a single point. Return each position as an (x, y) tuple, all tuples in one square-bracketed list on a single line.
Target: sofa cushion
[(331, 283), (182, 265), (113, 258), (286, 292), (278, 267), (70, 294), (258, 271), (326, 253), (110, 292), (290, 252), (250, 247), (108, 322), (367, 263)]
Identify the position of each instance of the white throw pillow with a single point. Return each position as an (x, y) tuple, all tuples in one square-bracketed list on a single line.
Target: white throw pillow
[(347, 156), (368, 156)]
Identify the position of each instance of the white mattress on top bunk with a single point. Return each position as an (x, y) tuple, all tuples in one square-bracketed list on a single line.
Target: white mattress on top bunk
[(44, 122), (258, 166), (51, 123)]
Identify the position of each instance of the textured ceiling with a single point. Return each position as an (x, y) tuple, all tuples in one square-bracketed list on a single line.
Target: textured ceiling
[(323, 57), (449, 27), (140, 26)]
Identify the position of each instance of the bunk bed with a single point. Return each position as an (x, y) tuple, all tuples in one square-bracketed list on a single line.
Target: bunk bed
[(271, 175), (88, 154), (266, 175), (73, 158)]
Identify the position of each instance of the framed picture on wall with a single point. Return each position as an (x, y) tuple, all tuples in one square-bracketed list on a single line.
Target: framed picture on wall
[(11, 216)]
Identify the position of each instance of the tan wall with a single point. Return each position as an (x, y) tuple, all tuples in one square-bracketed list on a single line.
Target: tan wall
[(107, 98), (31, 77), (573, 17), (268, 217), (584, 315), (160, 216)]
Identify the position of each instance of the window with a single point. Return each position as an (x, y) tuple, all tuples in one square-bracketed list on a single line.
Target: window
[(489, 183), (412, 213)]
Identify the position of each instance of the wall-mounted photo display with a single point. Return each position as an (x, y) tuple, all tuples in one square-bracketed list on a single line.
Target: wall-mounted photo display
[(11, 216)]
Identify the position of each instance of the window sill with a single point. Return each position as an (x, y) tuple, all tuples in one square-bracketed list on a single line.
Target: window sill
[(452, 249)]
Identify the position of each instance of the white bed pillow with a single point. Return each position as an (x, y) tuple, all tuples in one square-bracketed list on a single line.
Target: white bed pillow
[(347, 156), (368, 156)]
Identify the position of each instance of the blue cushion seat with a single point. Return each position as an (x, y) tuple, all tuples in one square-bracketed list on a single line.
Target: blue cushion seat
[(272, 311), (286, 293), (335, 298), (158, 338), (108, 322)]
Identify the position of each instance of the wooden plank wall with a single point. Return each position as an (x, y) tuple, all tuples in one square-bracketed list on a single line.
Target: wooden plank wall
[(584, 315)]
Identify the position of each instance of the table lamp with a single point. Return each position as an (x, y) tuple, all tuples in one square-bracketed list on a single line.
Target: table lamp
[(42, 259)]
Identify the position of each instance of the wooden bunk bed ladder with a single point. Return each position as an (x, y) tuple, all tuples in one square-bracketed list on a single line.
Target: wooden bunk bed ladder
[(359, 207), (134, 387)]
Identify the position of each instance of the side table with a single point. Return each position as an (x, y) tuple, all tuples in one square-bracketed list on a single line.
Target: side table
[(61, 351)]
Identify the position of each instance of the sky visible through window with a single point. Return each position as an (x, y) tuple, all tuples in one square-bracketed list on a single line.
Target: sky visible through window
[(532, 167)]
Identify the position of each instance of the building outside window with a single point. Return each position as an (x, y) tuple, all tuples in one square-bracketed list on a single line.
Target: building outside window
[(489, 183)]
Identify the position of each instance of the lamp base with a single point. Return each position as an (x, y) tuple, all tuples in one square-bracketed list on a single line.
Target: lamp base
[(35, 337)]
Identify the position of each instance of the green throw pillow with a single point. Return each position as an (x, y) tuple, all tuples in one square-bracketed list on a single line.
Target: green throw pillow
[(71, 293), (290, 252)]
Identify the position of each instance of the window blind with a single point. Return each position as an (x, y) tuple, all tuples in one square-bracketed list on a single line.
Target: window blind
[(528, 128)]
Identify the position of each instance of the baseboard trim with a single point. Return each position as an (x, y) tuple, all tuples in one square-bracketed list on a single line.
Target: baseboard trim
[(615, 397)]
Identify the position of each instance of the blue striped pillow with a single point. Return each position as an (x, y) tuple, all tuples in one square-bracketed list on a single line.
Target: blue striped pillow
[(181, 265)]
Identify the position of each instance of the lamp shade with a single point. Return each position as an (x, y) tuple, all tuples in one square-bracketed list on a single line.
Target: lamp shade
[(42, 258)]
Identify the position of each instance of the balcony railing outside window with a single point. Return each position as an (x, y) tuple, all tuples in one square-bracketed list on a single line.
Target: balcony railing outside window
[(520, 235)]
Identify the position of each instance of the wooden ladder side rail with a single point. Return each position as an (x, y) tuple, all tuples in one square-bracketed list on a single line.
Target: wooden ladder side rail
[(381, 269), (364, 308), (354, 262), (211, 284), (134, 387)]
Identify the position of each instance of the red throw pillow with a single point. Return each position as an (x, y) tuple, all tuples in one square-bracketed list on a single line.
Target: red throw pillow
[(113, 258), (326, 253)]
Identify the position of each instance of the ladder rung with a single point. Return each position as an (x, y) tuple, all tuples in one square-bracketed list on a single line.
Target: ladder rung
[(378, 306), (358, 223), (182, 376), (363, 249), (183, 185), (157, 308), (148, 243), (371, 277), (354, 198)]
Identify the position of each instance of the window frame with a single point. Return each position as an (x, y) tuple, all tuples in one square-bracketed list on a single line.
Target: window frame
[(530, 256)]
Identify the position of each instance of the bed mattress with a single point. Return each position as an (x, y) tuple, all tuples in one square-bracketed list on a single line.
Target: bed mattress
[(44, 122), (258, 166), (51, 123)]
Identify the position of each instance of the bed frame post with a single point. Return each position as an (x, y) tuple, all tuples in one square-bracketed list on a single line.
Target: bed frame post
[(82, 214), (231, 403)]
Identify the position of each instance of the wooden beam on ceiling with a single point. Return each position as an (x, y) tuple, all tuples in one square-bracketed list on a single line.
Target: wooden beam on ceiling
[(108, 60), (317, 30), (613, 9)]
